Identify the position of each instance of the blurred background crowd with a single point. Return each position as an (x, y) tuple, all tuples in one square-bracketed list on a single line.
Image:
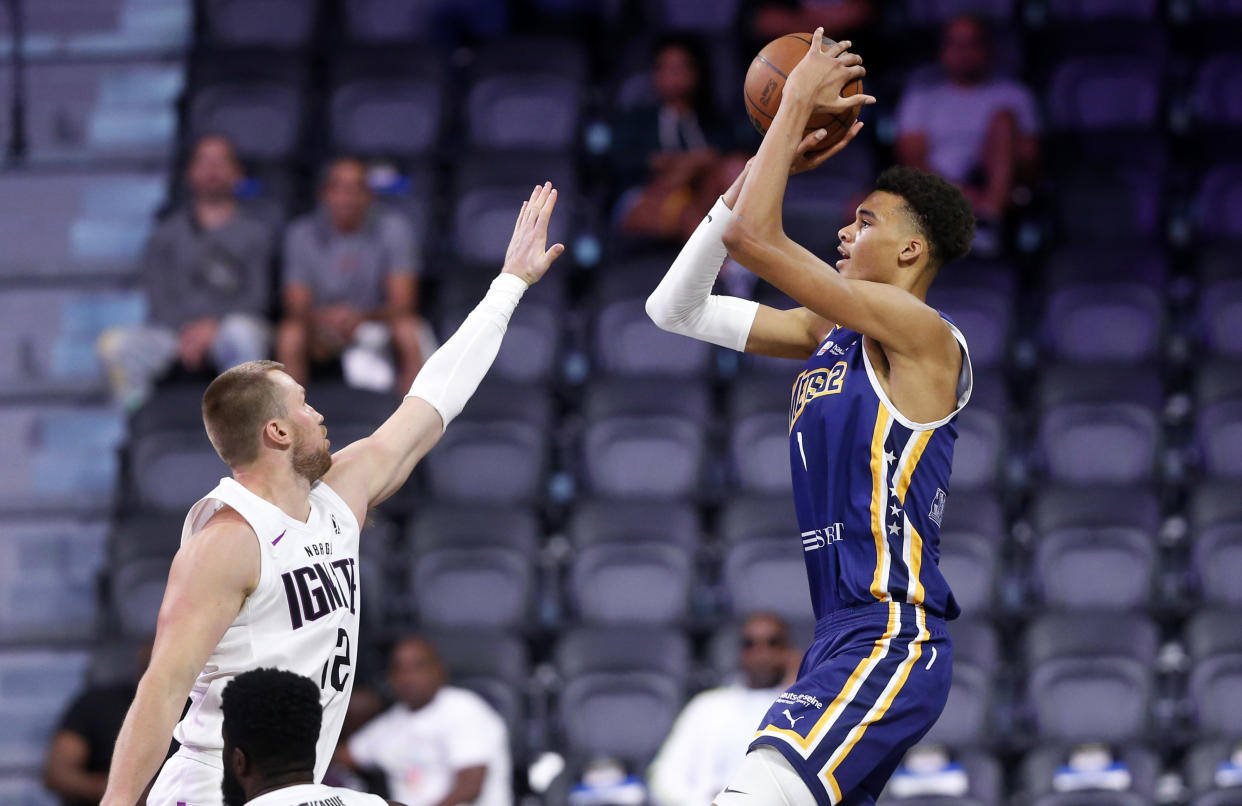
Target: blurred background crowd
[(606, 536)]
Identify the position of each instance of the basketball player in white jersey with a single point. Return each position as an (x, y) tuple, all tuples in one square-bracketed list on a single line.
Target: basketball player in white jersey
[(267, 570), (271, 719)]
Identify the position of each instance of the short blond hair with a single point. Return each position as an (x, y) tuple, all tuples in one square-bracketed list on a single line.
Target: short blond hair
[(236, 406)]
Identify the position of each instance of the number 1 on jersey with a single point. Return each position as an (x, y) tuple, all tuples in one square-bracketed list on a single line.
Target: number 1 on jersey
[(802, 450)]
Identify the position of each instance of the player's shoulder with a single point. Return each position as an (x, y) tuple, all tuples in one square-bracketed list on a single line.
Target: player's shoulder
[(226, 524)]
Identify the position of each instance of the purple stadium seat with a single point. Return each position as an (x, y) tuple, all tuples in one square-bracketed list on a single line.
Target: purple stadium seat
[(388, 20), (1220, 317), (1049, 774), (1109, 204), (262, 118), (1100, 568), (1099, 443), (984, 316), (966, 720), (1117, 322), (626, 342), (523, 111), (271, 23), (1219, 201), (397, 116), (1090, 699), (1086, 10), (1093, 92), (1219, 431), (704, 18), (1218, 90)]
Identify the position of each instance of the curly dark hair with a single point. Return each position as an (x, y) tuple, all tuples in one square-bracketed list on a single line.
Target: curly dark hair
[(939, 209), (274, 716)]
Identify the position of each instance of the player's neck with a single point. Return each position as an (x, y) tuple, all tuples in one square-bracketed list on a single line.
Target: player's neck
[(279, 485)]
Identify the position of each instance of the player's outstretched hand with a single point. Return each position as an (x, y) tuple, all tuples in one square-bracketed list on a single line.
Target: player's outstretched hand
[(526, 256), (823, 73), (808, 158)]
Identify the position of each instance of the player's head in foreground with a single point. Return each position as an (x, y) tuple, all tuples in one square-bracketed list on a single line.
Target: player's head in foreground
[(765, 655), (415, 671), (257, 416), (907, 228), (271, 724)]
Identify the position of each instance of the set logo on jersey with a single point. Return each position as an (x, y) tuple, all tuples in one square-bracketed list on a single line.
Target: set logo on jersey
[(814, 383), (313, 591), (818, 538)]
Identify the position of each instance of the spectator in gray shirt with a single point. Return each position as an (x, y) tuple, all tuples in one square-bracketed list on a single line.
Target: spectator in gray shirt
[(350, 279), (207, 277)]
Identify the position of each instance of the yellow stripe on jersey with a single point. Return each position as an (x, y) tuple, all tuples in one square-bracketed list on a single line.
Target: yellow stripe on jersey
[(915, 565), (847, 693), (882, 704), (879, 495), (916, 453)]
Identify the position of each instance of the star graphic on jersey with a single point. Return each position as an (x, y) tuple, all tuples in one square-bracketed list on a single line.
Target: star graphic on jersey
[(892, 529), (889, 456), (896, 510)]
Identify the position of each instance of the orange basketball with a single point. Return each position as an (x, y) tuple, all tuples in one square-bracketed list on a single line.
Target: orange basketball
[(765, 82)]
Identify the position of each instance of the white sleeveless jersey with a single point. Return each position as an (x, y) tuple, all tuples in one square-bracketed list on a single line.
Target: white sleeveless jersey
[(302, 616), (316, 795)]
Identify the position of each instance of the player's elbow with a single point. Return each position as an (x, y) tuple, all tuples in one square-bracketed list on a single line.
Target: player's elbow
[(746, 242), (660, 311)]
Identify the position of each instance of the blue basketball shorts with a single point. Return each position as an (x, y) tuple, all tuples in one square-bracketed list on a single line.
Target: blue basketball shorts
[(873, 682)]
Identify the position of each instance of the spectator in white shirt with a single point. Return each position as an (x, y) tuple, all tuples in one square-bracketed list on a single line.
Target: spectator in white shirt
[(711, 734), (972, 128), (438, 745)]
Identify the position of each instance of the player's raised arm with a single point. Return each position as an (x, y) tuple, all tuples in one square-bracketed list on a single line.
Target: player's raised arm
[(211, 576), (683, 303), (756, 239), (370, 470)]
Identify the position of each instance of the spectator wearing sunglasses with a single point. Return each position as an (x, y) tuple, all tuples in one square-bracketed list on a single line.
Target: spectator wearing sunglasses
[(710, 737)]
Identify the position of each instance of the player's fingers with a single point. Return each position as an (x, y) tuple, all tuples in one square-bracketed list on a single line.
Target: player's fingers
[(850, 59), (811, 141), (817, 41), (521, 216), (857, 100), (546, 211), (839, 47), (554, 251)]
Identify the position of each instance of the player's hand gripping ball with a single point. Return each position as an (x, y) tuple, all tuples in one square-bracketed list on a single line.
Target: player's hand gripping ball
[(772, 67)]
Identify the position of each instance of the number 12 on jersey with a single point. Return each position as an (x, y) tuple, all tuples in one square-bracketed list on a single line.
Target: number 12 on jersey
[(338, 664)]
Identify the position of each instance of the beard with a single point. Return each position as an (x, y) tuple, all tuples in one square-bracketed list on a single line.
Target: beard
[(311, 463), (234, 795)]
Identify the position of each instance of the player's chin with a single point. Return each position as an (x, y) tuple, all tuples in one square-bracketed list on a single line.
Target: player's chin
[(843, 266)]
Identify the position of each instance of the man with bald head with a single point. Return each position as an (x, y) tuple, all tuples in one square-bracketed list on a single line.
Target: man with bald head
[(438, 745), (711, 735)]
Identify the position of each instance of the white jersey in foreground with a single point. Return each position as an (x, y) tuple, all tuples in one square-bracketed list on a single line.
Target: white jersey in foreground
[(302, 616), (316, 795)]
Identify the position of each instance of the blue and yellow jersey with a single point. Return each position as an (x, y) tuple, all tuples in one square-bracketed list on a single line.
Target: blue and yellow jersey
[(869, 485)]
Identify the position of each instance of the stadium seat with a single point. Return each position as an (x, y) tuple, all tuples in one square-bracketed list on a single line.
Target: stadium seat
[(970, 564), (1212, 772), (1108, 568), (674, 523), (975, 643), (496, 666), (1219, 202), (442, 526), (35, 687), (931, 776), (270, 23), (1220, 307), (173, 469), (1218, 429), (388, 20), (388, 116), (1104, 203), (501, 461), (622, 688), (966, 721), (1215, 648), (1102, 92), (1114, 322), (979, 451), (531, 348), (481, 586), (631, 582), (702, 18), (985, 317), (1086, 635), (263, 119), (48, 578), (1217, 90), (349, 414), (524, 110), (63, 29), (59, 458), (1076, 263), (137, 589), (1090, 699), (1128, 769), (1216, 542), (767, 573)]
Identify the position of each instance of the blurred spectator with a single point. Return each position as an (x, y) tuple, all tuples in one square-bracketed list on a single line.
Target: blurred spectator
[(77, 761), (972, 129), (351, 286), (774, 18), (207, 277), (711, 735), (672, 155), (365, 704), (438, 745)]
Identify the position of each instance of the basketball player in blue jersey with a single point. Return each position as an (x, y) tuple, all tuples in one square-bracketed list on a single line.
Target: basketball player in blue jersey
[(871, 430), (266, 575)]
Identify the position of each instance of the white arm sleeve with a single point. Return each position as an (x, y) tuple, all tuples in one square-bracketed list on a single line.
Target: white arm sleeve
[(454, 371), (683, 301)]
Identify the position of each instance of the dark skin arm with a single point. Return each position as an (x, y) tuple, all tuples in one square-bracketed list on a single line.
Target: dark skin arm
[(467, 786), (65, 772)]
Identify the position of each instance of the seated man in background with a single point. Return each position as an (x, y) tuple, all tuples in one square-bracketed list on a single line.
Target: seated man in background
[(977, 131), (76, 767), (351, 281), (710, 737), (207, 277), (438, 745)]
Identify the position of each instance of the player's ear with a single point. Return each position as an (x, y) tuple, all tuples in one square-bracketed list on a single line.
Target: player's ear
[(239, 762), (912, 250), (277, 433)]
